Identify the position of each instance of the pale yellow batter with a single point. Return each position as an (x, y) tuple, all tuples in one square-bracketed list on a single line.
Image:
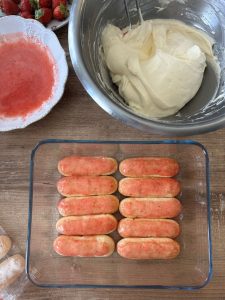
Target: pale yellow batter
[(158, 66)]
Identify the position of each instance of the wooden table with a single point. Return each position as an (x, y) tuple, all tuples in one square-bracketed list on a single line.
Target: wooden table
[(77, 116)]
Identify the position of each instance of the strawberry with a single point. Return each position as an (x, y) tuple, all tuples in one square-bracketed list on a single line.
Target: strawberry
[(44, 15), (16, 1), (28, 5), (56, 3), (26, 15), (44, 3), (9, 7), (60, 12)]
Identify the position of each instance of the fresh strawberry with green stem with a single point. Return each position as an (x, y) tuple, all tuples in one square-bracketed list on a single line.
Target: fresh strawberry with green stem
[(56, 3), (9, 7), (61, 12), (26, 15), (28, 5), (44, 15), (16, 1), (44, 3)]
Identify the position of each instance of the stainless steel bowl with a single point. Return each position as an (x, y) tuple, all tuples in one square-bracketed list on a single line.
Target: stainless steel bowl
[(88, 19)]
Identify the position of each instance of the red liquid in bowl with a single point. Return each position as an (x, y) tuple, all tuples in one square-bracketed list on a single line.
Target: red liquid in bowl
[(27, 75)]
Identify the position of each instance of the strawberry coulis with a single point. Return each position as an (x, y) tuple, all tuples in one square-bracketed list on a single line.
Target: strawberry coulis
[(27, 75)]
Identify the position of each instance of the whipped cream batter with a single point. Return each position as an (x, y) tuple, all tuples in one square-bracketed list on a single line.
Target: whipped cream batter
[(159, 65)]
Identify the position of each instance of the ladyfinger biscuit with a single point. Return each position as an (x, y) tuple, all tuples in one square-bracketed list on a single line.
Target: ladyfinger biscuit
[(5, 245), (149, 187), (148, 228), (148, 248), (10, 270), (154, 208), (87, 165), (86, 185), (85, 246), (149, 166), (89, 205), (86, 225)]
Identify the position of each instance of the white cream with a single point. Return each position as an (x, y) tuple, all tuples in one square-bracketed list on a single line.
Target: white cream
[(158, 66)]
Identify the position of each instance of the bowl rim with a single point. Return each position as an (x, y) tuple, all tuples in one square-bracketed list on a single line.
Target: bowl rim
[(155, 142), (112, 108)]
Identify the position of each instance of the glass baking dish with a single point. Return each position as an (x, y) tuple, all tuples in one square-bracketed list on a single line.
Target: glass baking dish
[(192, 269)]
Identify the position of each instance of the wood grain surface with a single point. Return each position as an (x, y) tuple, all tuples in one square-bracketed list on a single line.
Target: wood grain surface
[(77, 116)]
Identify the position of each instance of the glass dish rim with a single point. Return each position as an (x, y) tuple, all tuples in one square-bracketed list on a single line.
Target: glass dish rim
[(153, 142)]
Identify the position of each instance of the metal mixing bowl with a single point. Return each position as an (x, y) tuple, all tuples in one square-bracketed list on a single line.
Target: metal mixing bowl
[(88, 18)]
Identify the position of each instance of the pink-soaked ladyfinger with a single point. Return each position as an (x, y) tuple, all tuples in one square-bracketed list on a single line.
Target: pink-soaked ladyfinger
[(86, 185), (148, 228), (149, 166), (149, 187), (86, 225), (148, 248), (84, 246), (154, 208), (89, 205), (87, 165)]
